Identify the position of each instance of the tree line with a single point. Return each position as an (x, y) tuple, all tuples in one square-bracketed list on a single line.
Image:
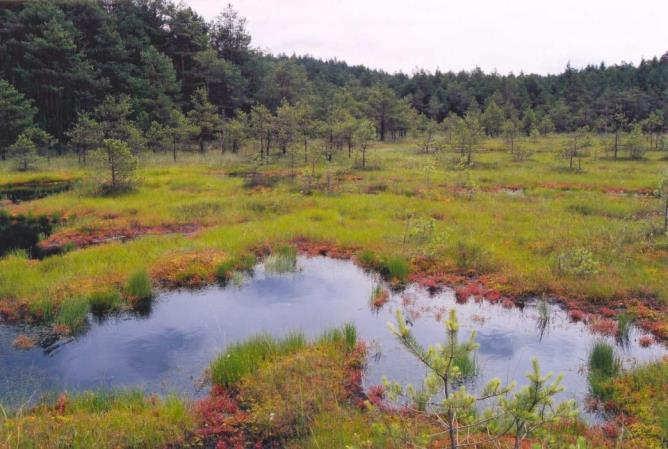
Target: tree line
[(151, 73)]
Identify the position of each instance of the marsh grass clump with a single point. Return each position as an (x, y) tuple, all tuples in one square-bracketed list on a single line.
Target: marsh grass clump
[(624, 323), (368, 260), (603, 366), (227, 269), (246, 357), (283, 260), (138, 287), (394, 268), (104, 301), (345, 336), (73, 314)]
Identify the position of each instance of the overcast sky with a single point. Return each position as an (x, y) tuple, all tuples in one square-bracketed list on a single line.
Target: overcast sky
[(534, 36)]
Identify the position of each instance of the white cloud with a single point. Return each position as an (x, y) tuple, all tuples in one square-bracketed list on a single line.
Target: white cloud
[(513, 35)]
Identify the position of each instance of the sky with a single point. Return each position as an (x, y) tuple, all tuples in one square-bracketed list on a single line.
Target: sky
[(530, 36)]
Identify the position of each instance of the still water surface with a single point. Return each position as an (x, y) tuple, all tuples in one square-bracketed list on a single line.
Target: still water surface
[(168, 349)]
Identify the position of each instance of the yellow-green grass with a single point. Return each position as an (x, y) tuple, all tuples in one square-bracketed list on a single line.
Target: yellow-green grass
[(607, 211), (101, 420), (642, 394)]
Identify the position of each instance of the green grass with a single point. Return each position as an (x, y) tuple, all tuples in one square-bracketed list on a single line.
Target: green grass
[(346, 337), (283, 260), (246, 357), (105, 301), (603, 365), (607, 240), (104, 420), (73, 314), (244, 263), (138, 286), (642, 395), (624, 323)]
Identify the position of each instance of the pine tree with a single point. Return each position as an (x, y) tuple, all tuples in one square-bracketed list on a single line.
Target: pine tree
[(16, 115), (203, 118)]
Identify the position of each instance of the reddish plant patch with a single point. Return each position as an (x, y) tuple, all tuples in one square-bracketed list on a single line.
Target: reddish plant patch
[(577, 315), (97, 236), (23, 342), (607, 312), (605, 326), (380, 298), (316, 248), (646, 341), (507, 304), (220, 421)]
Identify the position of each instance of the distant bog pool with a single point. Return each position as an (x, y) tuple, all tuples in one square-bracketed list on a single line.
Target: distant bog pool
[(169, 348)]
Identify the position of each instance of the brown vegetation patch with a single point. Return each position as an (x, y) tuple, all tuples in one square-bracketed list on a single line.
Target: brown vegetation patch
[(187, 268), (79, 238), (23, 342), (321, 248)]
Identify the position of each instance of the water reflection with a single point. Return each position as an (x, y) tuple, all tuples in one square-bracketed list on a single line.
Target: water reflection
[(170, 346)]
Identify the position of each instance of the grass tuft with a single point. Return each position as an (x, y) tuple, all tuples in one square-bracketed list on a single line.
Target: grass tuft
[(603, 365), (105, 301), (246, 357), (73, 314), (225, 271), (138, 286), (345, 337), (283, 260)]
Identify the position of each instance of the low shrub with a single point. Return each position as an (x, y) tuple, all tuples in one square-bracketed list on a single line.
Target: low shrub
[(579, 262)]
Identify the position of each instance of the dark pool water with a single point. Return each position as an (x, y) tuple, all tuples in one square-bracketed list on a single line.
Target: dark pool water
[(168, 349)]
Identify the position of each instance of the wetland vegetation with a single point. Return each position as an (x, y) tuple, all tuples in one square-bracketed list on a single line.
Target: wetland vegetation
[(201, 244)]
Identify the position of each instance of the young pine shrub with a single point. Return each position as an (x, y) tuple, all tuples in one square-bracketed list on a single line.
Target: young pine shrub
[(138, 287), (578, 262), (443, 393)]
